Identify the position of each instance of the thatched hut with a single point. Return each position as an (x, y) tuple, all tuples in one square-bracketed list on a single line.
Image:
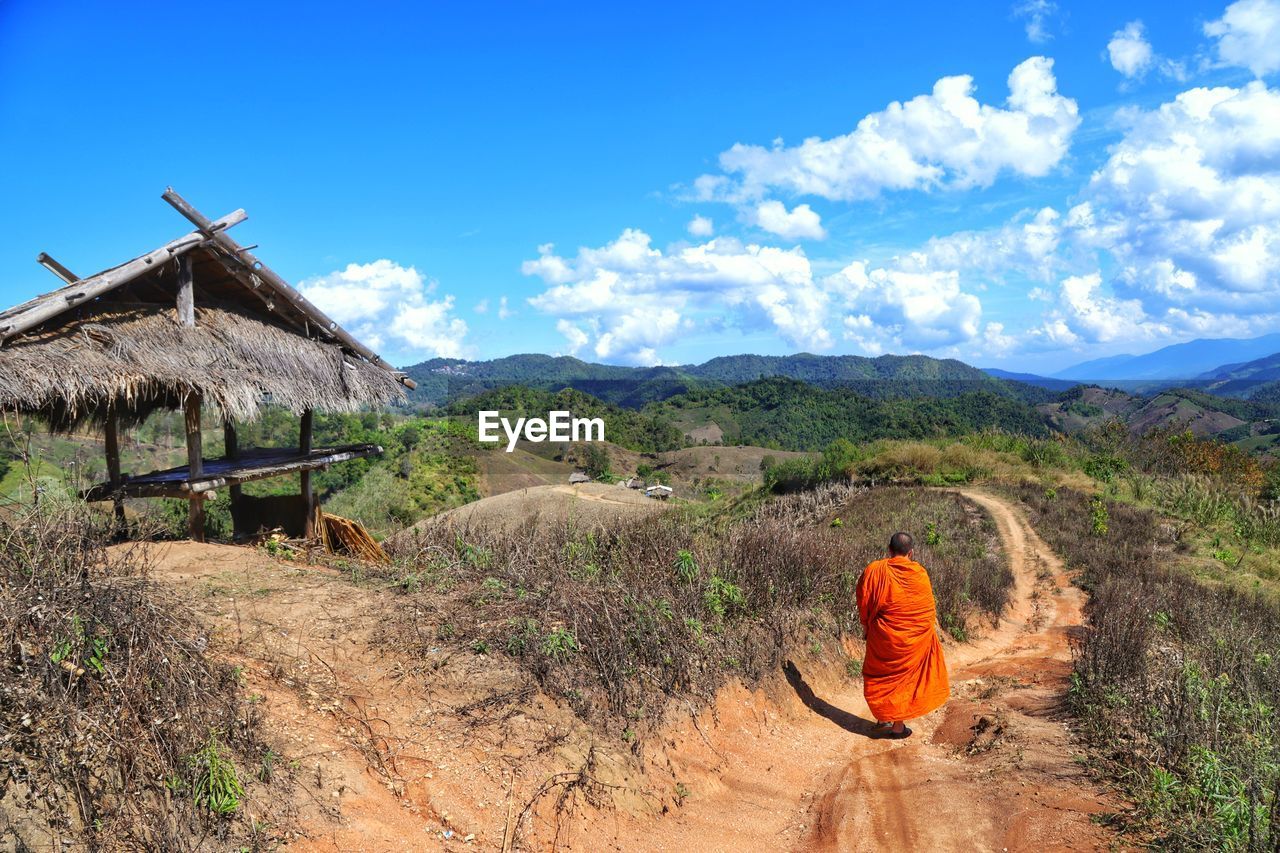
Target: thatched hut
[(198, 324)]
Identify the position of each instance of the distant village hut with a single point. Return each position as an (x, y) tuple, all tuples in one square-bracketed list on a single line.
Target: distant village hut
[(659, 491), (198, 324), (578, 477)]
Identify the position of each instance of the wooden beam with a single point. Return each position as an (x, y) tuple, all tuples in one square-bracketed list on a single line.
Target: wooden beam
[(282, 287), (186, 293), (111, 440), (195, 463), (42, 308), (308, 499), (56, 268)]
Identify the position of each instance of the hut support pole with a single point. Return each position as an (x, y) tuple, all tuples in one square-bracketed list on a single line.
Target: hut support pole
[(186, 293), (112, 441), (308, 499), (231, 449), (195, 464)]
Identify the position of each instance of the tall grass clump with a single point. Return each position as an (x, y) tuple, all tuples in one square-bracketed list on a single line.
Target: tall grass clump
[(1176, 682), (108, 698)]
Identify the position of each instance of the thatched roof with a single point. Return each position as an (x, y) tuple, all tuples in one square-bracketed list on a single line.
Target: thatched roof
[(117, 338), (139, 355)]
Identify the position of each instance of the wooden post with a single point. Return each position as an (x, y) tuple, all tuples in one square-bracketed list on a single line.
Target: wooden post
[(308, 499), (231, 449), (186, 293), (112, 441), (195, 464)]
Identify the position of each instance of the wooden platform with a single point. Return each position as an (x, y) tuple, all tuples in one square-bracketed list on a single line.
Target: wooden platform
[(248, 465)]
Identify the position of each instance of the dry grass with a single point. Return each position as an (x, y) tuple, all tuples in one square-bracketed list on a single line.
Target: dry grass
[(118, 732), (980, 458)]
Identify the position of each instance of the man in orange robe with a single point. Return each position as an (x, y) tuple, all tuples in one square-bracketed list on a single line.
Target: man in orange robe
[(903, 673)]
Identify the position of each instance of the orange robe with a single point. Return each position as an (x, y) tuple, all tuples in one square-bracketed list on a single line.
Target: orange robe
[(903, 674)]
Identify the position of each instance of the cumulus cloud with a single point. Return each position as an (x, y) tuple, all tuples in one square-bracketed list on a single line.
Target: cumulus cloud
[(801, 223), (1129, 50), (1026, 246), (1188, 202), (1037, 14), (390, 307), (700, 226), (1185, 217), (1132, 55), (504, 310), (1248, 35), (945, 139), (900, 310), (481, 307), (629, 298), (1085, 315), (575, 338)]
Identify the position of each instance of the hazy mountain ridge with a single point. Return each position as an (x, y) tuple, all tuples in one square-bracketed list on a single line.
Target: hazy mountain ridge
[(1185, 361)]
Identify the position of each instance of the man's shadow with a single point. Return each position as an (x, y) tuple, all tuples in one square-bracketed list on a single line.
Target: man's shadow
[(849, 722)]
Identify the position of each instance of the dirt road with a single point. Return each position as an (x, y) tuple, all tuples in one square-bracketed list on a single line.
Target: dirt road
[(389, 758), (993, 770)]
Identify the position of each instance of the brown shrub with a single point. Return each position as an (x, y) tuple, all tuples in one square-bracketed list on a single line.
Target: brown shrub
[(107, 697)]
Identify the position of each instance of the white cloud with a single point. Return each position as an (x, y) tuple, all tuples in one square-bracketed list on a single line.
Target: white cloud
[(1129, 50), (1132, 55), (1026, 246), (574, 336), (902, 311), (504, 311), (995, 342), (701, 226), (387, 306), (481, 307), (1188, 203), (636, 299), (945, 139), (1248, 35), (801, 223), (1085, 315), (1037, 14)]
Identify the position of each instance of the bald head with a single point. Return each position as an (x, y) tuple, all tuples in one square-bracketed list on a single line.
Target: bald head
[(901, 544)]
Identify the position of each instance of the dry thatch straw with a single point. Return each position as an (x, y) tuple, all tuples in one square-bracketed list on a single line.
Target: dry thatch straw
[(138, 355)]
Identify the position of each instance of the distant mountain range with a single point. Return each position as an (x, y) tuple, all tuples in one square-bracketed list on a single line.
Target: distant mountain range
[(802, 402), (1256, 380), (1179, 361), (442, 380), (1031, 379)]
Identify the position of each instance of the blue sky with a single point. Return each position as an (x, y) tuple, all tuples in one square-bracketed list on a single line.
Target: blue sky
[(1024, 185)]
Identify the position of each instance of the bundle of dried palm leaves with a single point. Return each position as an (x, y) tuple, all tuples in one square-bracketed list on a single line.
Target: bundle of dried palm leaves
[(343, 536)]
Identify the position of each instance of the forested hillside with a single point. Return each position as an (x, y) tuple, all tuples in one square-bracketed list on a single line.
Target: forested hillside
[(641, 431), (441, 381), (792, 415)]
